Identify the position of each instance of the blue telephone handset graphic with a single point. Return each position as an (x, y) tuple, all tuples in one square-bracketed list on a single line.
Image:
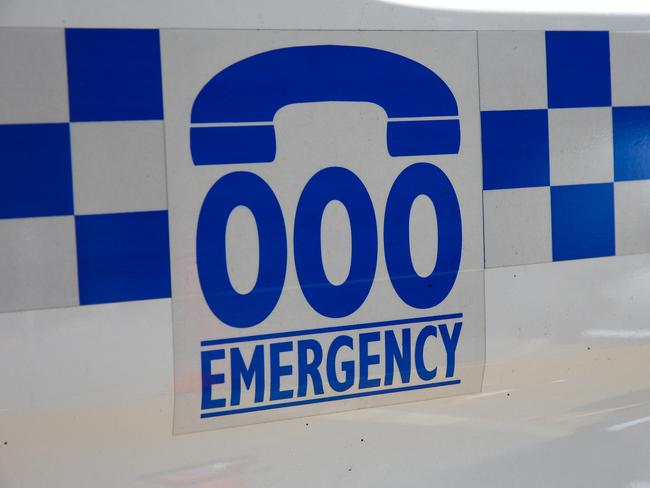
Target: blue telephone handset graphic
[(232, 122), (251, 91)]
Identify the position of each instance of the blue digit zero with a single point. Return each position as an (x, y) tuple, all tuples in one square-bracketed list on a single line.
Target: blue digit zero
[(231, 307), (344, 186), (416, 291)]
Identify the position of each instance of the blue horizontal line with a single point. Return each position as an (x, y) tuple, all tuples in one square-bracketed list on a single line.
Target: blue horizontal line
[(328, 399), (423, 137), (325, 330)]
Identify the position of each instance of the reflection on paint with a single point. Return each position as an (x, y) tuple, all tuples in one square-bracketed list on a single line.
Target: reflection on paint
[(617, 334)]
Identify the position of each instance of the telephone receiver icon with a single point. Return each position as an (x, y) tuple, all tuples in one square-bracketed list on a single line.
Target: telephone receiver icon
[(232, 116)]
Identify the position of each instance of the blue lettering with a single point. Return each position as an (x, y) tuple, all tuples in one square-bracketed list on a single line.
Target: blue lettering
[(316, 367), (420, 366), (240, 372), (308, 368), (450, 345), (208, 379), (396, 356), (366, 360), (346, 366), (278, 370)]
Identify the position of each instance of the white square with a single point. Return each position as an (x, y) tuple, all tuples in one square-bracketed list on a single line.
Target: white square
[(580, 145), (517, 226), (38, 264), (632, 214), (630, 68), (118, 167), (33, 77), (512, 70)]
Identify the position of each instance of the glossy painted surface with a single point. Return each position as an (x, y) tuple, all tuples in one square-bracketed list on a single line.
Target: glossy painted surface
[(566, 400), (293, 14)]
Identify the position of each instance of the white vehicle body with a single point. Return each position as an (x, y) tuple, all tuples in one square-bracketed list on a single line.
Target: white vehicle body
[(87, 393)]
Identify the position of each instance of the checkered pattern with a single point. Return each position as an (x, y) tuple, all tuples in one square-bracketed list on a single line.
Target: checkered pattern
[(565, 122), (83, 201), (565, 136)]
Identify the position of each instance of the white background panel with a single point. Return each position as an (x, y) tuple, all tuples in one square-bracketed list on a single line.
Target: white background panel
[(632, 217), (512, 68), (630, 71), (33, 79), (581, 145), (118, 166), (517, 226), (311, 137), (38, 263)]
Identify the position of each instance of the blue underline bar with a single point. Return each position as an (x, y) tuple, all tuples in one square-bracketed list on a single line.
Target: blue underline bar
[(328, 399), (325, 330)]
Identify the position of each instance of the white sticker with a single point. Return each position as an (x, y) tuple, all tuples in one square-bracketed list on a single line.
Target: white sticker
[(325, 204)]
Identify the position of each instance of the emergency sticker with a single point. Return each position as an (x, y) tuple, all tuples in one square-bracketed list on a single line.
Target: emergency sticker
[(325, 212)]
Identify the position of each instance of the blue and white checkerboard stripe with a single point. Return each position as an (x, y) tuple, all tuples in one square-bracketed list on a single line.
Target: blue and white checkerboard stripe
[(566, 145), (90, 182), (566, 157)]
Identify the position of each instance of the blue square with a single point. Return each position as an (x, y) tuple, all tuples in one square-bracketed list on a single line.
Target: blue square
[(35, 171), (114, 74), (515, 149), (577, 69), (631, 143), (123, 257), (582, 221)]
